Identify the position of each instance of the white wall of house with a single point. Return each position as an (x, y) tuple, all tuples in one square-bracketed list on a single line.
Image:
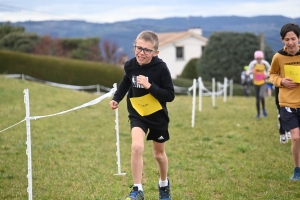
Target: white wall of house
[(192, 48)]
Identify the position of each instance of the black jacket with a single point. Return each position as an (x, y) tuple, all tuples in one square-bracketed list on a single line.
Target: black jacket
[(161, 88)]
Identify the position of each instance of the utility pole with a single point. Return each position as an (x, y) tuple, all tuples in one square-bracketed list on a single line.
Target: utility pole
[(188, 22), (262, 42)]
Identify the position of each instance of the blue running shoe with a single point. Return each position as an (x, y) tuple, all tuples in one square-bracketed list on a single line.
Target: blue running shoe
[(165, 192), (296, 175), (257, 116), (135, 194), (265, 113)]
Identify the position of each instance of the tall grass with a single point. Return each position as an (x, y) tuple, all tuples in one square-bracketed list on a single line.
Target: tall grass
[(227, 155)]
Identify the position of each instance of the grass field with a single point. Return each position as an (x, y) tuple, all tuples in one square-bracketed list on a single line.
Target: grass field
[(227, 155)]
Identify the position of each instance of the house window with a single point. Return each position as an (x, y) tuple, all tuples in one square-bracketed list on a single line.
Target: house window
[(179, 52), (202, 49)]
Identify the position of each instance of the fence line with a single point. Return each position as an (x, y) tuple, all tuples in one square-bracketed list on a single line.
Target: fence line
[(203, 91), (13, 125), (93, 102), (28, 118), (177, 89), (60, 85)]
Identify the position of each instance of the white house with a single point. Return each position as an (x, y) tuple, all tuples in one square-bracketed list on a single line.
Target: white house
[(178, 48)]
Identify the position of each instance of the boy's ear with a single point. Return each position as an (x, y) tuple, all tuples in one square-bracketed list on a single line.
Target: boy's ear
[(156, 53)]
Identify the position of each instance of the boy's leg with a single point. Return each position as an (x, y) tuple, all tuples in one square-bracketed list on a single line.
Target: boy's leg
[(295, 134), (283, 137), (290, 121), (295, 148), (137, 149), (161, 159), (256, 91), (262, 92)]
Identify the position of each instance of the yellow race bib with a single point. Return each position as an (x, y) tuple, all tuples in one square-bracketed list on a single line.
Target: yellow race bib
[(145, 105), (293, 72)]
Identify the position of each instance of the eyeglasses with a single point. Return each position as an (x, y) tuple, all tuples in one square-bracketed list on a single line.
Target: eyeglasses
[(139, 49)]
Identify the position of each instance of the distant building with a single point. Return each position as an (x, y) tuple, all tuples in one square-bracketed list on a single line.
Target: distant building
[(178, 48)]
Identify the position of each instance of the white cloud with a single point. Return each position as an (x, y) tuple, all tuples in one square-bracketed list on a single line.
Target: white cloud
[(111, 11)]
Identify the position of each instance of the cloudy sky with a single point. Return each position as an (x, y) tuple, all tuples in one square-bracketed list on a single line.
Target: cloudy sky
[(112, 11)]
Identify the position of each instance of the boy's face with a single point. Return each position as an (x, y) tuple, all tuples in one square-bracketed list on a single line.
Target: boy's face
[(144, 51), (291, 42)]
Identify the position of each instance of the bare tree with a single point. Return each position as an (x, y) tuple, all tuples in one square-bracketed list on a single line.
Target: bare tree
[(49, 46), (111, 53)]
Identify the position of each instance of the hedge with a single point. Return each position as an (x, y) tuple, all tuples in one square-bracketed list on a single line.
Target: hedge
[(60, 70)]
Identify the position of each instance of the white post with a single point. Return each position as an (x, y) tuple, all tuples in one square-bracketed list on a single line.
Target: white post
[(194, 102), (28, 143), (98, 89), (231, 87), (213, 94), (118, 139), (23, 77), (225, 89), (200, 93)]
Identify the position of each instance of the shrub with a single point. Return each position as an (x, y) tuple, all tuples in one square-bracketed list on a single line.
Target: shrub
[(60, 70), (189, 70)]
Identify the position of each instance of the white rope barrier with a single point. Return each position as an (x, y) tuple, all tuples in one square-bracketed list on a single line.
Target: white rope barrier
[(231, 87), (200, 93), (28, 143), (213, 94), (60, 85), (225, 89), (12, 125), (28, 131), (194, 103), (207, 92), (93, 102), (118, 139), (203, 91)]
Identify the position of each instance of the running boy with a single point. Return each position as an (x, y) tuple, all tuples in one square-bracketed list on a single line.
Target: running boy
[(149, 85), (289, 98)]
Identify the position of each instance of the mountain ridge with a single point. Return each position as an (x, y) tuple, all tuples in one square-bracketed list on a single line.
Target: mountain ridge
[(123, 33)]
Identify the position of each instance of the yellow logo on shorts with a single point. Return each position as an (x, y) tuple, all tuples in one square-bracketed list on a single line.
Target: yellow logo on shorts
[(145, 105)]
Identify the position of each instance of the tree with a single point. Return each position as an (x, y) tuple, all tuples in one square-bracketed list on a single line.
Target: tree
[(77, 48), (18, 41), (6, 28), (111, 53), (189, 70), (227, 53), (14, 38), (83, 48), (49, 46)]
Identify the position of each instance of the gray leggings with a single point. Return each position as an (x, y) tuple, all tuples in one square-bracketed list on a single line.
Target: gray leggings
[(260, 91)]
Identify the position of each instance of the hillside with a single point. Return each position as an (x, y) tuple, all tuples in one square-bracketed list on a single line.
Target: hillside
[(124, 32)]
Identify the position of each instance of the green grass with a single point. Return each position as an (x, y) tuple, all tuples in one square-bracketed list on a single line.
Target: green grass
[(227, 155)]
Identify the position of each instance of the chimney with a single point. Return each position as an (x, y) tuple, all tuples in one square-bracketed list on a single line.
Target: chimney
[(196, 30)]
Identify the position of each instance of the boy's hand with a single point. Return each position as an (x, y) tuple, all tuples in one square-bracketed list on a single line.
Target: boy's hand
[(142, 80), (113, 104), (288, 83)]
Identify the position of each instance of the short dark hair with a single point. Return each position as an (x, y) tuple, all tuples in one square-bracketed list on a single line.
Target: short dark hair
[(149, 36), (290, 27)]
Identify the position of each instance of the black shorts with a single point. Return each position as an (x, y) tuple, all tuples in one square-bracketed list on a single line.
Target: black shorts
[(160, 136), (290, 118)]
